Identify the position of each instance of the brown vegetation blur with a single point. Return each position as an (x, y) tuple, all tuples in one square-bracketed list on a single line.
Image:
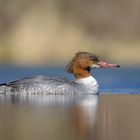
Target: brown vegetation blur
[(51, 31)]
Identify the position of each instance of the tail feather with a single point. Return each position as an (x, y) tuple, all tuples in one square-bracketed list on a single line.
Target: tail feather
[(4, 88)]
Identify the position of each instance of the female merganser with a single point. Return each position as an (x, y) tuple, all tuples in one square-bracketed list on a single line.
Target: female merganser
[(79, 66)]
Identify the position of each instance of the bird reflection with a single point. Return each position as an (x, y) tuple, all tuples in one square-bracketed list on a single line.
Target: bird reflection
[(85, 115), (80, 111)]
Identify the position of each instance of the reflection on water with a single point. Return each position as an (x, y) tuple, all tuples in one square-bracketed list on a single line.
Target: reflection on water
[(85, 117), (47, 117), (119, 117)]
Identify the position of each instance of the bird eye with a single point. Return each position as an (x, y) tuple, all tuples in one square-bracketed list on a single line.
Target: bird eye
[(94, 58)]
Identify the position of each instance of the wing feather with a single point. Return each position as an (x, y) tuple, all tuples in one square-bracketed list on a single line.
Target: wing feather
[(41, 84)]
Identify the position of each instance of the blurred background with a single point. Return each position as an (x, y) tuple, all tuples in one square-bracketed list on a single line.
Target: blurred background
[(49, 32)]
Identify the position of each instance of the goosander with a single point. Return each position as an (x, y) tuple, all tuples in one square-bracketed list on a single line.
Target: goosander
[(79, 66)]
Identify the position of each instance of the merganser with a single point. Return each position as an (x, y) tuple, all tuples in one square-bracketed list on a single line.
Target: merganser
[(79, 66)]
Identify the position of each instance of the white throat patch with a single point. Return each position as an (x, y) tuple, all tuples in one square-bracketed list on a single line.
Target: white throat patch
[(95, 66), (90, 84)]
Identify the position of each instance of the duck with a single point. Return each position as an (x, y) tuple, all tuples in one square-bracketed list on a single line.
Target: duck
[(80, 66)]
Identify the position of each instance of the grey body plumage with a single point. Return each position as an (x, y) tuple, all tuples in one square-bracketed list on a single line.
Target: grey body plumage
[(41, 85)]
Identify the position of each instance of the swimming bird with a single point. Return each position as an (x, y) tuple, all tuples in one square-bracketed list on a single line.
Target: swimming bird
[(80, 66)]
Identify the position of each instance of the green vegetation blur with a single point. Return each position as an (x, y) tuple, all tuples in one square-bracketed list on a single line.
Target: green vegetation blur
[(52, 31)]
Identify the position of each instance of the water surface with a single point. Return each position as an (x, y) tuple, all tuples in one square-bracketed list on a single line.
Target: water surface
[(112, 117)]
